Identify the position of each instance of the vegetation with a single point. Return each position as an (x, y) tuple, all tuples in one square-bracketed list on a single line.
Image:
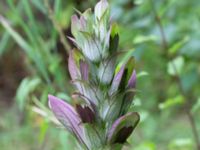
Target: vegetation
[(34, 48)]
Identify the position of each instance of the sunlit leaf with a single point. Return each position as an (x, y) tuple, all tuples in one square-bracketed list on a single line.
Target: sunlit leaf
[(145, 146), (178, 100), (181, 143), (175, 66), (142, 39), (178, 45), (196, 106), (26, 87)]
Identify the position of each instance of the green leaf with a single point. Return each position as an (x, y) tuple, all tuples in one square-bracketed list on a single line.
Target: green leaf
[(174, 48), (181, 143), (43, 130), (32, 21), (142, 74), (141, 39), (146, 146), (138, 2), (4, 42), (196, 106), (26, 87), (172, 102), (175, 66), (63, 16), (39, 5), (15, 35)]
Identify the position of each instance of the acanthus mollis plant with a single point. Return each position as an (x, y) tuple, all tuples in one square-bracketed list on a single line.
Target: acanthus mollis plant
[(99, 118)]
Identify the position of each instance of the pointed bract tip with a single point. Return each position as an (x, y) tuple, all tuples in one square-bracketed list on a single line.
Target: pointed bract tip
[(74, 18), (100, 8), (117, 80), (132, 80), (51, 99)]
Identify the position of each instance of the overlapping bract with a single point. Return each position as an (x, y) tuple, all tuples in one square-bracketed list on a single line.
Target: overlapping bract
[(105, 90)]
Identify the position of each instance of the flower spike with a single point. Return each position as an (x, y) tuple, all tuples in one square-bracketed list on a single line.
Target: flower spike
[(104, 90)]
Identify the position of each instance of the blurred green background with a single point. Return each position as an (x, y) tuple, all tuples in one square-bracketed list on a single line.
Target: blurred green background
[(164, 37)]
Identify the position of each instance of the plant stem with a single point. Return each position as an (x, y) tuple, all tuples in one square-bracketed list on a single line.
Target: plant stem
[(57, 26), (159, 23), (194, 129), (165, 48)]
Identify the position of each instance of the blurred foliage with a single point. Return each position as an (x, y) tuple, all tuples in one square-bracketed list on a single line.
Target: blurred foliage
[(168, 75)]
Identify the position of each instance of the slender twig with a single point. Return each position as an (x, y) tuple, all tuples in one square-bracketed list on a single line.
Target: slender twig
[(185, 96), (57, 26), (159, 23), (194, 129)]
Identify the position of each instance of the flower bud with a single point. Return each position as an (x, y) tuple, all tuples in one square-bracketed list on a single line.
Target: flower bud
[(85, 113), (101, 8), (123, 127)]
